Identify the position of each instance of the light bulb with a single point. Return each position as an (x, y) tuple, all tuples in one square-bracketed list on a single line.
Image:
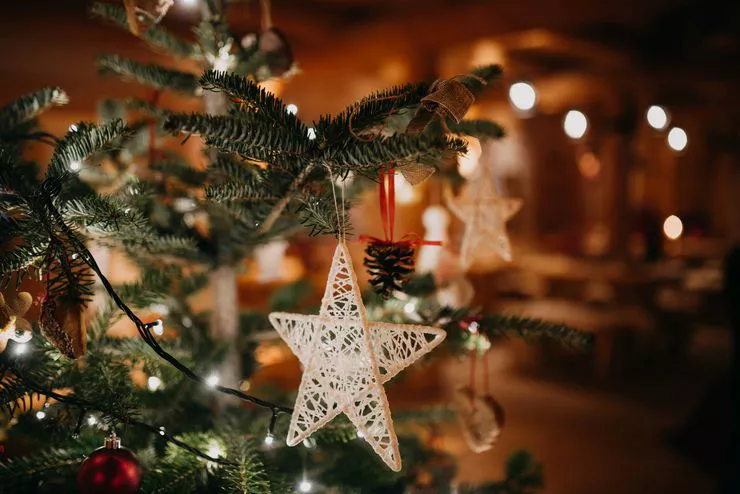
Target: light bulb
[(360, 434), (673, 227), (75, 166), (677, 139), (41, 415), (409, 308), (575, 124), (212, 380), (91, 420), (73, 128), (657, 117), (20, 349), (292, 109), (214, 449), (161, 431), (305, 486), (158, 327), (153, 383), (523, 96), (269, 439)]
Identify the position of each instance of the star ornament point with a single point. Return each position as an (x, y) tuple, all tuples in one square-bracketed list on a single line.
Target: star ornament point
[(346, 361)]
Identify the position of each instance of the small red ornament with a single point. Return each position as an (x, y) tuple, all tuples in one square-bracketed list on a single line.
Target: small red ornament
[(110, 470)]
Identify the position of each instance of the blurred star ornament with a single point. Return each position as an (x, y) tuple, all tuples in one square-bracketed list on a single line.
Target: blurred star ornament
[(62, 323), (485, 215), (111, 469), (347, 360), (12, 324)]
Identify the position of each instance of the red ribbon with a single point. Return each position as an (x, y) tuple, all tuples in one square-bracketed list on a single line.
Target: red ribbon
[(153, 128), (387, 196)]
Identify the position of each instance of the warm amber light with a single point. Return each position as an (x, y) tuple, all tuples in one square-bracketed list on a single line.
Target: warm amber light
[(523, 96), (657, 117), (468, 162), (677, 139), (589, 165), (673, 227)]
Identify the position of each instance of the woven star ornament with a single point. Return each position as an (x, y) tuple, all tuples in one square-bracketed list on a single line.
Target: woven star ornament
[(485, 214), (347, 360)]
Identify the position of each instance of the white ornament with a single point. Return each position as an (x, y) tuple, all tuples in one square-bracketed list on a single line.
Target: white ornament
[(436, 221), (270, 259), (481, 418), (347, 360), (485, 215)]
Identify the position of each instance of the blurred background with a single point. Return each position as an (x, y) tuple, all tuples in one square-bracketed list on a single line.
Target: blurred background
[(623, 142)]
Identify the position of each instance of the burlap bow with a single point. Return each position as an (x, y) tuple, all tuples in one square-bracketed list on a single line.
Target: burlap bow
[(448, 98)]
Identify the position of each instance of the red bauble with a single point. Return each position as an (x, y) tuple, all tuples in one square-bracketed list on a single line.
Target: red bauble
[(110, 470)]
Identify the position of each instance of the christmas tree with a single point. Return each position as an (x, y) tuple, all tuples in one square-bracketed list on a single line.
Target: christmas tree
[(176, 391)]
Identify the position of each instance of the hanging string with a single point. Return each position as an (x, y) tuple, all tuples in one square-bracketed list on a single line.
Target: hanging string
[(266, 9), (340, 216)]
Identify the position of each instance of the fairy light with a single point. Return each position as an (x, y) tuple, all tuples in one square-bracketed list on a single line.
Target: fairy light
[(523, 96), (153, 383), (161, 431), (158, 327), (360, 435), (41, 415), (673, 227), (292, 109), (308, 443), (409, 308), (311, 133), (20, 349), (75, 166), (657, 117), (214, 449), (575, 124), (677, 139), (91, 420), (468, 162), (305, 486), (212, 380), (269, 439), (73, 128)]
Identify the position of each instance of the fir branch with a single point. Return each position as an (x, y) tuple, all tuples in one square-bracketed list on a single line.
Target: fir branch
[(318, 213), (157, 35), (21, 257), (248, 475), (79, 144), (150, 75), (530, 329), (180, 170), (30, 106), (257, 100), (365, 156), (23, 474), (476, 128), (237, 191), (523, 476), (289, 161), (245, 129), (478, 78)]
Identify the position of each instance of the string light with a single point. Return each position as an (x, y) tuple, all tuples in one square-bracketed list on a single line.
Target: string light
[(523, 96), (153, 383), (212, 380), (308, 443), (20, 349), (91, 420), (673, 227), (409, 308), (305, 486), (468, 162), (161, 430), (158, 327), (657, 117), (41, 415), (575, 124), (311, 133), (360, 435), (292, 109), (75, 166), (214, 449), (677, 139), (73, 128), (269, 439)]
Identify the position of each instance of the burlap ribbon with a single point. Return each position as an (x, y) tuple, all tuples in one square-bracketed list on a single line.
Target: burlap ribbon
[(448, 98)]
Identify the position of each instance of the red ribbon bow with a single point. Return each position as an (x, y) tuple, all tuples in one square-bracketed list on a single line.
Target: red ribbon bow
[(387, 193)]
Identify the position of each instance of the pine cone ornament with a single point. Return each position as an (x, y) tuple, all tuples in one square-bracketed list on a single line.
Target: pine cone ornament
[(63, 325), (389, 264), (12, 324)]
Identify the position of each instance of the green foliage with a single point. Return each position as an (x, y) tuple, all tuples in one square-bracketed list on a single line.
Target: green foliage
[(157, 36), (30, 106), (476, 128), (531, 329), (82, 142), (523, 476), (150, 75), (41, 471)]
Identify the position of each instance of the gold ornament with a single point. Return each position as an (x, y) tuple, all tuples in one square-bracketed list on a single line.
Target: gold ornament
[(485, 215), (143, 14), (63, 325), (12, 324), (481, 418), (347, 360)]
